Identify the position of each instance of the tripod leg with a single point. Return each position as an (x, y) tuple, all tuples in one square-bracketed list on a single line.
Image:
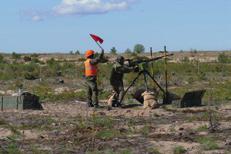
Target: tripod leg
[(145, 81), (133, 82), (155, 82)]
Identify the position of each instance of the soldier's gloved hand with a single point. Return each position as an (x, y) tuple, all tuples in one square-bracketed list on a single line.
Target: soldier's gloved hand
[(136, 69)]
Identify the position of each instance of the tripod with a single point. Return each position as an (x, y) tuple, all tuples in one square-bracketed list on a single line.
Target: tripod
[(146, 74)]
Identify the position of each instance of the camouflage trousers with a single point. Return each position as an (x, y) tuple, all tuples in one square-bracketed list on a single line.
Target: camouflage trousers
[(118, 88), (92, 92)]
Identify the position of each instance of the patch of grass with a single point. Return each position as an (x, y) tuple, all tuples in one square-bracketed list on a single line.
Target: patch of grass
[(126, 151), (145, 130), (101, 121), (35, 150), (69, 95), (107, 151), (107, 134), (39, 123), (3, 122), (104, 94), (202, 128), (153, 151), (13, 129), (208, 143), (13, 149), (179, 150)]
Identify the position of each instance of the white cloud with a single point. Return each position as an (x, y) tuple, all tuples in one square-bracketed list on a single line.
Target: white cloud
[(77, 7), (33, 15), (36, 18), (85, 7)]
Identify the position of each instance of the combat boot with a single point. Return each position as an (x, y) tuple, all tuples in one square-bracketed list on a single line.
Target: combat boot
[(90, 104), (116, 104)]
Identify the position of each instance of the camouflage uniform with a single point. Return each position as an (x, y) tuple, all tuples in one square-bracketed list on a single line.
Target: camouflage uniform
[(91, 82), (116, 79)]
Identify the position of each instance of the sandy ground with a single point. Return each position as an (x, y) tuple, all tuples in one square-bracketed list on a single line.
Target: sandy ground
[(167, 128)]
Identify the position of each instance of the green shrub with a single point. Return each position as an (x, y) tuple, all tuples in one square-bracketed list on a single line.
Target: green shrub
[(139, 48), (13, 148), (1, 58), (202, 128), (179, 150), (223, 58), (16, 56), (103, 122), (208, 143), (107, 134), (153, 151)]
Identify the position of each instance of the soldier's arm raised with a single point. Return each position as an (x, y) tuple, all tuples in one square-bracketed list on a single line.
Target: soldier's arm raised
[(98, 59)]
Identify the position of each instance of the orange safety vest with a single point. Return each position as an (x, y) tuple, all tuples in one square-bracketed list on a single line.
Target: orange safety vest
[(90, 70)]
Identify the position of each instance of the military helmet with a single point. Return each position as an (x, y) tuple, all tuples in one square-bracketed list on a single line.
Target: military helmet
[(120, 59)]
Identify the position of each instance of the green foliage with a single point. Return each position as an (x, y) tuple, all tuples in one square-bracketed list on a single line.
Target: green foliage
[(71, 52), (204, 116), (35, 60), (128, 51), (70, 70), (153, 151), (1, 58), (13, 148), (77, 52), (105, 122), (113, 50), (31, 71), (179, 150), (53, 66), (16, 56), (185, 60), (202, 128), (223, 58), (38, 123), (208, 143), (107, 134), (34, 55), (126, 151), (139, 48), (43, 91), (81, 96), (145, 130)]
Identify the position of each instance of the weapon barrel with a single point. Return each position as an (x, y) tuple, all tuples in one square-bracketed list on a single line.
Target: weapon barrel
[(133, 63)]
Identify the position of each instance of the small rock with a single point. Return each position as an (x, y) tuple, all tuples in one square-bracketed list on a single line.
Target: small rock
[(123, 130), (128, 111), (44, 136), (228, 142), (181, 128)]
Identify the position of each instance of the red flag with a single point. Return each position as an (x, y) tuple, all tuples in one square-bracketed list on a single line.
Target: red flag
[(96, 38)]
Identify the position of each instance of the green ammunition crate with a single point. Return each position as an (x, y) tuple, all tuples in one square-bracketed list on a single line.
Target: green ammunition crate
[(25, 101)]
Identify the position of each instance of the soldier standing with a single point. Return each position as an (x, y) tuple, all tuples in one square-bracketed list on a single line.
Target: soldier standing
[(91, 77), (116, 79)]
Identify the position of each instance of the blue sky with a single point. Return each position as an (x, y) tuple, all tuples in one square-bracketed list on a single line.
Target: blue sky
[(64, 25)]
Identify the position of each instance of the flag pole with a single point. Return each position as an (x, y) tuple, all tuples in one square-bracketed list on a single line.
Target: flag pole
[(99, 45)]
